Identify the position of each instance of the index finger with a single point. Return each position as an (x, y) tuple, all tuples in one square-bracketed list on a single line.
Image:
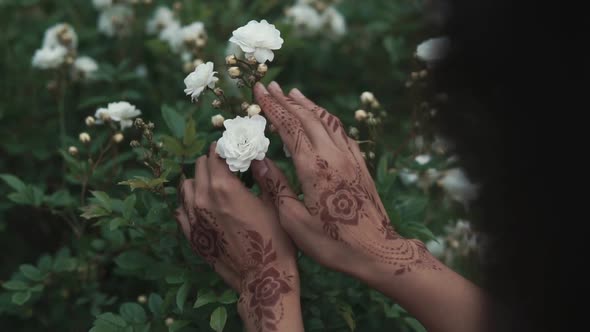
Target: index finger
[(288, 126)]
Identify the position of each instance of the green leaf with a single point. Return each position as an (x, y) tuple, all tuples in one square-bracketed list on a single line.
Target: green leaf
[(60, 198), (414, 324), (382, 168), (140, 182), (174, 121), (228, 297), (190, 133), (62, 264), (218, 319), (155, 304), (133, 313), (103, 200), (346, 312), (132, 260), (205, 296), (31, 272), (172, 145), (116, 223), (15, 285), (129, 206), (19, 298), (14, 182), (177, 325), (110, 319), (181, 295), (93, 211)]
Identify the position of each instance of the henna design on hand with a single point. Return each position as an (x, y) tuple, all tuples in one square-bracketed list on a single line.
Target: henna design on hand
[(205, 238), (268, 286)]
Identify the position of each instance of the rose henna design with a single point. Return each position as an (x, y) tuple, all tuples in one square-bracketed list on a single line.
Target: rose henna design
[(207, 241)]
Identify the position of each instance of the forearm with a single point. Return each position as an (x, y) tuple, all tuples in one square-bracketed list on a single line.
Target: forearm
[(439, 298)]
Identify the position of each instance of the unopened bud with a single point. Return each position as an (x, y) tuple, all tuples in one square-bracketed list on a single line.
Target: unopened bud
[(142, 299), (200, 42), (367, 97), (371, 155), (234, 72), (423, 73), (89, 121), (72, 150), (218, 92), (84, 137), (408, 84), (414, 75), (139, 122), (240, 83), (134, 144), (197, 62), (217, 120), (251, 60), (231, 60), (118, 138), (262, 68), (372, 121), (252, 79), (216, 103), (244, 106), (253, 109), (360, 115), (169, 321), (151, 125), (375, 104), (353, 132)]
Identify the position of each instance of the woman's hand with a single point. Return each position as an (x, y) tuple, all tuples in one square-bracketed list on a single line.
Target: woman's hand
[(342, 222), (239, 235)]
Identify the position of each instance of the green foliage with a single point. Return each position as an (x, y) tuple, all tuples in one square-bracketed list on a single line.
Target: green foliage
[(92, 233)]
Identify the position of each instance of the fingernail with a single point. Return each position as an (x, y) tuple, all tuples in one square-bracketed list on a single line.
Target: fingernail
[(296, 93), (261, 87), (275, 84), (261, 168)]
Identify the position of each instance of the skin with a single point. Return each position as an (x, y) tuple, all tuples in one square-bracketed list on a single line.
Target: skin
[(341, 223)]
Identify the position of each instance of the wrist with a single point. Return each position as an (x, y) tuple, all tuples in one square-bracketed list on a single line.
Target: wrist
[(270, 298)]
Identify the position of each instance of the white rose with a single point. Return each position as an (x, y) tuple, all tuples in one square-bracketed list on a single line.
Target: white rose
[(171, 34), (436, 247), (121, 112), (102, 4), (458, 187), (433, 49), (243, 141), (55, 35), (198, 80), (49, 57), (85, 65), (334, 21), (258, 39), (422, 159), (115, 20), (306, 19), (163, 16), (193, 31)]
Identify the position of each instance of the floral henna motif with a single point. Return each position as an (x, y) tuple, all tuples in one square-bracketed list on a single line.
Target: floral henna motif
[(208, 242), (342, 204), (268, 285)]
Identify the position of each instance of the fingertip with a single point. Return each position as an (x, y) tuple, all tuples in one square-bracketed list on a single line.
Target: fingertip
[(260, 167), (260, 89), (295, 93), (276, 88)]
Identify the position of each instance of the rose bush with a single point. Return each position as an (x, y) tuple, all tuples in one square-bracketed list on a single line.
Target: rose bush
[(88, 181)]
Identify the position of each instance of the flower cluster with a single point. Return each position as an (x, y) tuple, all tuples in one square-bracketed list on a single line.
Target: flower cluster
[(188, 40), (460, 240), (369, 117), (316, 17), (60, 50)]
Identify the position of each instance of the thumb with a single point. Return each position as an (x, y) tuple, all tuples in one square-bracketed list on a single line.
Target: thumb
[(275, 188)]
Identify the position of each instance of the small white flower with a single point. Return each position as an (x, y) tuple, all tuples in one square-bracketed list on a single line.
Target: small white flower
[(173, 36), (258, 39), (243, 141), (423, 159), (84, 137), (193, 31), (436, 247), (367, 97), (141, 71), (198, 80), (115, 20), (122, 112), (85, 65), (335, 21), (305, 18), (360, 115), (61, 34), (253, 109), (217, 120), (102, 4), (163, 17), (49, 57), (407, 177), (458, 187), (433, 49)]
